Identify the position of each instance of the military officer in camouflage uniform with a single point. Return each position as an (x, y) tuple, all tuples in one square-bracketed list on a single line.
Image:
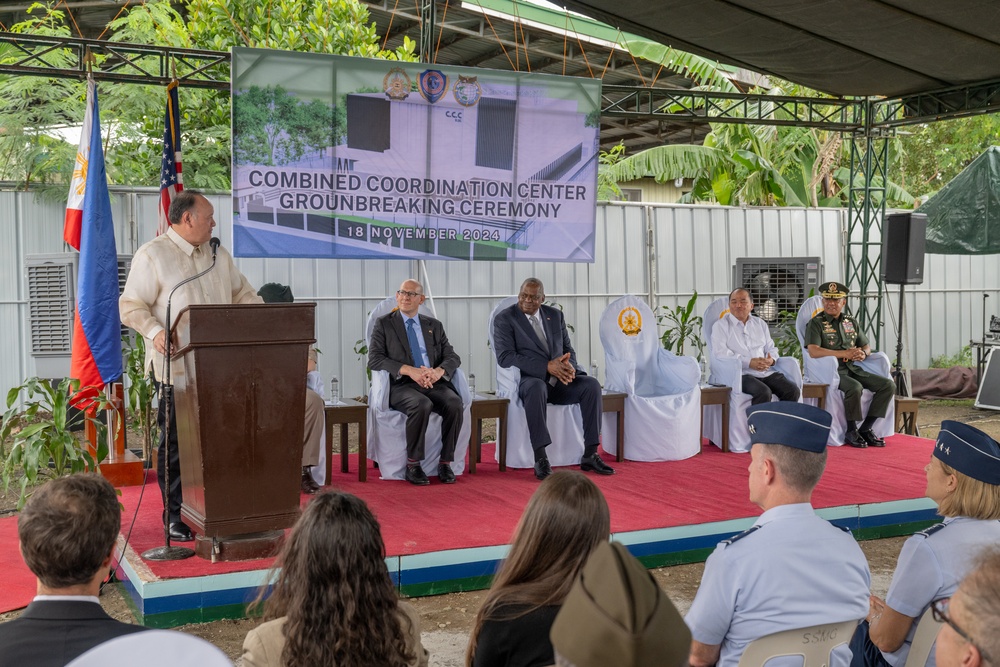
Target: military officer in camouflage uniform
[(835, 334)]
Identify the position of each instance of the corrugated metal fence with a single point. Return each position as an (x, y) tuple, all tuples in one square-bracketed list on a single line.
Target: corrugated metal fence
[(662, 252)]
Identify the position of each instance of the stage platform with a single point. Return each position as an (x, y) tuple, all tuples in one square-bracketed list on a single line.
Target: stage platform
[(446, 538)]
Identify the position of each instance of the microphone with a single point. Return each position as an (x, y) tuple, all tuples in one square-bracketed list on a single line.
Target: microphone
[(214, 243)]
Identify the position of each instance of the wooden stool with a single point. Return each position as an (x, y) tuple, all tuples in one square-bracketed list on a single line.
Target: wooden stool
[(906, 415)]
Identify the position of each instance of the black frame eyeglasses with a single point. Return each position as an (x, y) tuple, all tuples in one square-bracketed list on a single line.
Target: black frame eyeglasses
[(412, 295), (939, 610)]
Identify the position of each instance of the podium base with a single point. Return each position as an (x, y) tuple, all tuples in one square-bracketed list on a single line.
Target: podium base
[(168, 553), (249, 546)]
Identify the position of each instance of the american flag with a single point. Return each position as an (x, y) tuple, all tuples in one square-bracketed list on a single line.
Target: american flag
[(171, 178)]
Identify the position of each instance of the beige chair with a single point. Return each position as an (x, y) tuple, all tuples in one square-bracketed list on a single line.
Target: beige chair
[(814, 644), (923, 640)]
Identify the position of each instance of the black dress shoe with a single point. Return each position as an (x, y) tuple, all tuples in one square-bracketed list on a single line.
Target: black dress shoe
[(594, 463), (309, 485), (179, 532), (869, 437), (446, 474), (854, 439), (416, 475), (542, 468)]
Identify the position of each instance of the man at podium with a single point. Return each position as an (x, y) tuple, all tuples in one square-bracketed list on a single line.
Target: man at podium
[(157, 267)]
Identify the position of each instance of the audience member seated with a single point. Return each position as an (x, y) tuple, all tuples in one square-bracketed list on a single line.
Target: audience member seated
[(565, 520), (616, 614), (315, 420), (963, 479), (791, 569), (67, 531), (968, 636), (333, 602), (155, 648)]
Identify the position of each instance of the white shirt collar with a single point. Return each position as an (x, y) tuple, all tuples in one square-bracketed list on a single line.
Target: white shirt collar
[(68, 598)]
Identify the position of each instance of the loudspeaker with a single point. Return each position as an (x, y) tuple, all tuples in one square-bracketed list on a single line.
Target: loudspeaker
[(904, 236), (988, 395)]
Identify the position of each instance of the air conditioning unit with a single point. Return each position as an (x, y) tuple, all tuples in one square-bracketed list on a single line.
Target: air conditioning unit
[(777, 284), (52, 305)]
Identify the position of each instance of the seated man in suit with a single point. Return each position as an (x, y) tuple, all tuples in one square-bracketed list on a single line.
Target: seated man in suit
[(312, 435), (744, 336), (533, 338), (791, 569), (67, 531), (834, 334), (415, 351)]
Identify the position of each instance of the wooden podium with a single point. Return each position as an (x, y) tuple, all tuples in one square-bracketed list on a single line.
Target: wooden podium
[(240, 400)]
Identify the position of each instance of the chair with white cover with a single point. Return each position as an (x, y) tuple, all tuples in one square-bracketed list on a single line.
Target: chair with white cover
[(729, 372), (564, 422), (664, 392), (814, 644), (153, 648), (923, 640), (387, 427), (824, 371)]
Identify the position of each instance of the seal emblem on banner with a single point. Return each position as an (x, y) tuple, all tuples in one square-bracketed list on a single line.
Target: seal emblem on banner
[(396, 84), (467, 90), (433, 84), (630, 321)]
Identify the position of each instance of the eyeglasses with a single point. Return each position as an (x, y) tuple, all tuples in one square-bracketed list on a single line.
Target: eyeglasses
[(536, 298), (412, 295), (939, 610)]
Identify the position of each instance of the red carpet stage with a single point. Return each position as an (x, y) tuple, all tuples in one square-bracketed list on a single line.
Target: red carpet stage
[(444, 538)]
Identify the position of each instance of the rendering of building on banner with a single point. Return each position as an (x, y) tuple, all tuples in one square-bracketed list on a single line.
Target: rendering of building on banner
[(351, 158)]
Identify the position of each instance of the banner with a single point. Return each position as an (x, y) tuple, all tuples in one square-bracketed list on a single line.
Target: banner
[(353, 158)]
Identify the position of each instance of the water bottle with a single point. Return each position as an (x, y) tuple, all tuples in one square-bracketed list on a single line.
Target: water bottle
[(334, 390), (593, 371), (703, 366), (472, 384)]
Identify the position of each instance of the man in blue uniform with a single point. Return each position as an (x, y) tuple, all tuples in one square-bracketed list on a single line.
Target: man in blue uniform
[(791, 569), (834, 334)]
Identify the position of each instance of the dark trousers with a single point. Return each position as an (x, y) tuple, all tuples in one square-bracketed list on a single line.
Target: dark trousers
[(536, 394), (174, 460), (762, 389), (852, 380), (865, 653), (418, 404)]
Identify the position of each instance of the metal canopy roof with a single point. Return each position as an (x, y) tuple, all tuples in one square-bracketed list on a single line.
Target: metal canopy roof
[(842, 47)]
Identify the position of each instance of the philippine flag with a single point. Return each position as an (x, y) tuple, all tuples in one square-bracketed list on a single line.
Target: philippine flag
[(97, 347), (74, 203)]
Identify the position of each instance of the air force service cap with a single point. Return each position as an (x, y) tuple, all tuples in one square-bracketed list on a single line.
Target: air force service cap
[(789, 423), (969, 451), (834, 290)]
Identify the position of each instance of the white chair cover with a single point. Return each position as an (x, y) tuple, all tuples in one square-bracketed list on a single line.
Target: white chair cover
[(387, 427), (729, 372), (564, 422), (153, 648), (664, 396), (824, 371)]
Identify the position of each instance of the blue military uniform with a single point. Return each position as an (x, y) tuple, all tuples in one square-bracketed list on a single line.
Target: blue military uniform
[(934, 561), (791, 570)]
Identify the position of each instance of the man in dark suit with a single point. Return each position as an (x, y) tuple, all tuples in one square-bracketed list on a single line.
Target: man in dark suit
[(67, 532), (416, 353), (533, 338)]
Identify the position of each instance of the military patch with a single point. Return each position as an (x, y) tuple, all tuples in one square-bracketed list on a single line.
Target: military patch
[(467, 90), (848, 326), (933, 529), (630, 321), (433, 84), (740, 536), (396, 84)]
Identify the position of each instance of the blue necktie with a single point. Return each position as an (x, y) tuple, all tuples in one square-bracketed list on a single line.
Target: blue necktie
[(411, 335)]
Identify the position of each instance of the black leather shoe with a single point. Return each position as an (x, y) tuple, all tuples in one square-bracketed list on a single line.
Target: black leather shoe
[(869, 437), (854, 439), (595, 464), (309, 485), (416, 475), (179, 532), (542, 468), (446, 474)]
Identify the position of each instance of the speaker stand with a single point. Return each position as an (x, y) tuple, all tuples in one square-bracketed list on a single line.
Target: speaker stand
[(897, 369)]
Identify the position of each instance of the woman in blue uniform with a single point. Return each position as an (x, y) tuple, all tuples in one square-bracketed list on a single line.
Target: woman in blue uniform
[(963, 478)]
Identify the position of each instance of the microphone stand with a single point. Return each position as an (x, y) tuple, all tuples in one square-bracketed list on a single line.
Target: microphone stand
[(168, 552)]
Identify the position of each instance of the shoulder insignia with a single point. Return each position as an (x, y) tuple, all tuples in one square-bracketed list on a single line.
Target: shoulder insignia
[(740, 536), (933, 529), (843, 528)]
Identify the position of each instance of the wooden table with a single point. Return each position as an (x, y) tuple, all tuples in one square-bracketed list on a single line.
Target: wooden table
[(615, 402), (817, 391), (488, 407), (711, 395), (343, 414)]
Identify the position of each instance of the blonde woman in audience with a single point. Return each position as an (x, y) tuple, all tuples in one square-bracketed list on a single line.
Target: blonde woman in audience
[(565, 520), (333, 603), (963, 478)]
